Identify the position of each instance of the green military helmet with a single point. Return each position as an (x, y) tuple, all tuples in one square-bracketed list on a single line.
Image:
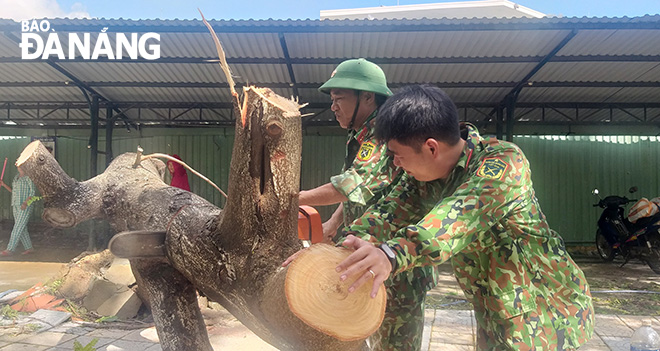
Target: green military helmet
[(357, 74)]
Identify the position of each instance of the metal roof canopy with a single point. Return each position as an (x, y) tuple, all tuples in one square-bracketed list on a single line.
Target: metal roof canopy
[(461, 9), (537, 72)]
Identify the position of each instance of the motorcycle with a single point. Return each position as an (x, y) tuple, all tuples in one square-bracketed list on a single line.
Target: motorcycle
[(636, 235)]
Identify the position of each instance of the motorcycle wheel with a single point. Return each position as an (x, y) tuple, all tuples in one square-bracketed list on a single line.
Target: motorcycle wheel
[(604, 248), (653, 258)]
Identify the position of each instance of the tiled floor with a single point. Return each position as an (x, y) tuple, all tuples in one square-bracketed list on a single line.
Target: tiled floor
[(445, 330), (454, 330)]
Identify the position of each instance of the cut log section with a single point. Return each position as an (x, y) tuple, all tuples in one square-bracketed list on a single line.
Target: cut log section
[(317, 296)]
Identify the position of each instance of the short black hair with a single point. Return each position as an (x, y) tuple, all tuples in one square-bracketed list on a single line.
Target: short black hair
[(416, 113)]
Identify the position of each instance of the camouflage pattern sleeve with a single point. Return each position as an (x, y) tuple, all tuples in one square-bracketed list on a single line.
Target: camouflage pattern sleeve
[(400, 207), (371, 172), (464, 217), (351, 185)]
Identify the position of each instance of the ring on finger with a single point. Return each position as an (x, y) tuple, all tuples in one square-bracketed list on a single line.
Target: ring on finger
[(373, 275)]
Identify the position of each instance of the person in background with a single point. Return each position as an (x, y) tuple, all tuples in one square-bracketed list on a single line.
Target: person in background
[(22, 191), (527, 292), (179, 174)]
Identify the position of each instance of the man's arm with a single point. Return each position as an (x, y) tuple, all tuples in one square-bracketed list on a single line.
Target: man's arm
[(461, 218), (31, 192), (4, 185), (454, 223), (323, 195), (405, 204)]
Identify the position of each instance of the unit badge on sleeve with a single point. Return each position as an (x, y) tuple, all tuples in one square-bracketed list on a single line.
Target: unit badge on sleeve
[(492, 168), (366, 151)]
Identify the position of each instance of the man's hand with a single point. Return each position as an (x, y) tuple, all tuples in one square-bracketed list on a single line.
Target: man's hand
[(368, 261), (24, 204), (331, 225), (292, 257), (329, 232)]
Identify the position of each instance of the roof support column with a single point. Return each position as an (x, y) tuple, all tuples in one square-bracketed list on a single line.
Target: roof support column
[(511, 98), (109, 127), (93, 144), (289, 67), (499, 125), (510, 115)]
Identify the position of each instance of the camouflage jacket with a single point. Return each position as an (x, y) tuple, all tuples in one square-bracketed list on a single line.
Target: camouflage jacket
[(526, 290), (371, 171)]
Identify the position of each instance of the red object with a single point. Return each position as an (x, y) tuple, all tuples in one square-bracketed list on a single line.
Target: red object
[(310, 226), (34, 299), (3, 170), (27, 293), (179, 175), (33, 303)]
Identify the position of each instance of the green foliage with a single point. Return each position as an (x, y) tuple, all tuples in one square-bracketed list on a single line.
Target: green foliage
[(89, 347), (8, 312), (31, 327), (33, 199), (107, 319), (76, 310), (53, 287)]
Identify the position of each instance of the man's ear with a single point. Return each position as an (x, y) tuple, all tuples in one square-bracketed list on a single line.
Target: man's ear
[(432, 145), (368, 96)]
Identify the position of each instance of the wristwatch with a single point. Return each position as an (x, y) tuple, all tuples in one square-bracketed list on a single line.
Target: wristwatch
[(390, 255)]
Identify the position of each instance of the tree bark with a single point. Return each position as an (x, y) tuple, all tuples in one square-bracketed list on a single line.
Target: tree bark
[(233, 255)]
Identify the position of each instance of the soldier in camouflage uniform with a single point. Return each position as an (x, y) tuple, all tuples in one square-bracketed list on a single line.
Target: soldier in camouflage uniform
[(357, 88), (527, 292)]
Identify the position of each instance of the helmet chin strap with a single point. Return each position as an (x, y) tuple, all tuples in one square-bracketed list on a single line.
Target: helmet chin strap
[(357, 106)]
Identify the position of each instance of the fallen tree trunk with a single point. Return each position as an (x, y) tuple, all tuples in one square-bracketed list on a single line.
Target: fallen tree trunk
[(233, 255)]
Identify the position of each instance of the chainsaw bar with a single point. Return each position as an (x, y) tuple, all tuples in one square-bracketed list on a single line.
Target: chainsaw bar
[(138, 244)]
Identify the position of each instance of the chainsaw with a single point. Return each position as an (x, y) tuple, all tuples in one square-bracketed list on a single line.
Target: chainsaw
[(150, 244)]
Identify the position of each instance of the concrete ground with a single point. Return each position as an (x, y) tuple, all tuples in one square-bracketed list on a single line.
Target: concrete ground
[(445, 330)]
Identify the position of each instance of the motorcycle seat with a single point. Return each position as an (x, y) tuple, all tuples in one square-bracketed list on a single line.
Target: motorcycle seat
[(646, 222)]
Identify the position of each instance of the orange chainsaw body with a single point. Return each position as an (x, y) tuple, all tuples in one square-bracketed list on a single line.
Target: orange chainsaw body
[(310, 227)]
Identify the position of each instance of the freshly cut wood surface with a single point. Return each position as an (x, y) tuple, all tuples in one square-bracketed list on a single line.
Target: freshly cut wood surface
[(317, 296)]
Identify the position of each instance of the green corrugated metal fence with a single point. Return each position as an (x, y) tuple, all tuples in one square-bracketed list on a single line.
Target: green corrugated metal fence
[(564, 169)]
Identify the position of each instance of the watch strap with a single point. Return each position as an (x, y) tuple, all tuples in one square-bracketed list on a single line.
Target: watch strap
[(390, 255)]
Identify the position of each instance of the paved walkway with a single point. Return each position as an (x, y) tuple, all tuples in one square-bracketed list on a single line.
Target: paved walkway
[(445, 330)]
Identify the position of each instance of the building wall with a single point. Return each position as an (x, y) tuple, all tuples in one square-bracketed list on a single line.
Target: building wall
[(564, 169)]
